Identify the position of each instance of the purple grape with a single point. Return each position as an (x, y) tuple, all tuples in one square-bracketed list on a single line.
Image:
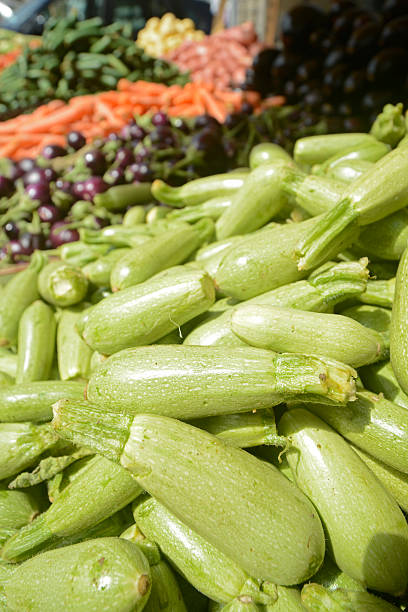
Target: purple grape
[(95, 161), (51, 151), (39, 191), (26, 164), (11, 230), (93, 186), (136, 132), (6, 187), (76, 140), (115, 176), (140, 172), (142, 155), (49, 213), (124, 157), (160, 118), (60, 234), (64, 186)]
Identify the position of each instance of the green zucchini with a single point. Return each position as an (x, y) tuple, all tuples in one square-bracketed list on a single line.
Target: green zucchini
[(190, 382), (241, 505), (367, 532)]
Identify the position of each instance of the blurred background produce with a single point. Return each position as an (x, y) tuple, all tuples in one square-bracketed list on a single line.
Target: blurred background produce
[(342, 62), (160, 36)]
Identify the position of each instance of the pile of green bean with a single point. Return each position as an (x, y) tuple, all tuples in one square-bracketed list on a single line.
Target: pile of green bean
[(198, 414)]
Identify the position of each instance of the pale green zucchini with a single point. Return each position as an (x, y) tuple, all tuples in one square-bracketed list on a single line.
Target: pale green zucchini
[(205, 567), (297, 331), (379, 293), (21, 444), (380, 378), (257, 202), (165, 594), (33, 401), (240, 504), (399, 325), (74, 355), (161, 252), (243, 430), (316, 598), (144, 313), (367, 532), (394, 481), (372, 423), (190, 382), (327, 286), (312, 150), (100, 489), (108, 574), (266, 260), (373, 317), (36, 343)]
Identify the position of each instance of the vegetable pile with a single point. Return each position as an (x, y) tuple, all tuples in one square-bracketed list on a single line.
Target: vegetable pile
[(179, 413), (49, 193), (78, 58), (162, 35), (344, 64), (220, 58), (100, 114)]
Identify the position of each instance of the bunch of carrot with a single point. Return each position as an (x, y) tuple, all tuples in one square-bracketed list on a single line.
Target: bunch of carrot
[(98, 115)]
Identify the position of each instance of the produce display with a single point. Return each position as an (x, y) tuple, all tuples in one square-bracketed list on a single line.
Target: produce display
[(162, 35), (220, 58), (203, 399), (48, 193), (344, 64), (78, 58), (101, 114)]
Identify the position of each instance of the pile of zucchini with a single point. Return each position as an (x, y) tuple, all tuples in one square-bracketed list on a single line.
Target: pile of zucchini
[(206, 408)]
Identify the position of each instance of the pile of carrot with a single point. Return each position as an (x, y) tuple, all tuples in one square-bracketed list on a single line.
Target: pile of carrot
[(98, 115)]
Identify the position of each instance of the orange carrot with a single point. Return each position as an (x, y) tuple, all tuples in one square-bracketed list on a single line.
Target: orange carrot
[(213, 107)]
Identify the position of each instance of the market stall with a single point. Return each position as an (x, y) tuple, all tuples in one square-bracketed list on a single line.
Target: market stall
[(203, 312)]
